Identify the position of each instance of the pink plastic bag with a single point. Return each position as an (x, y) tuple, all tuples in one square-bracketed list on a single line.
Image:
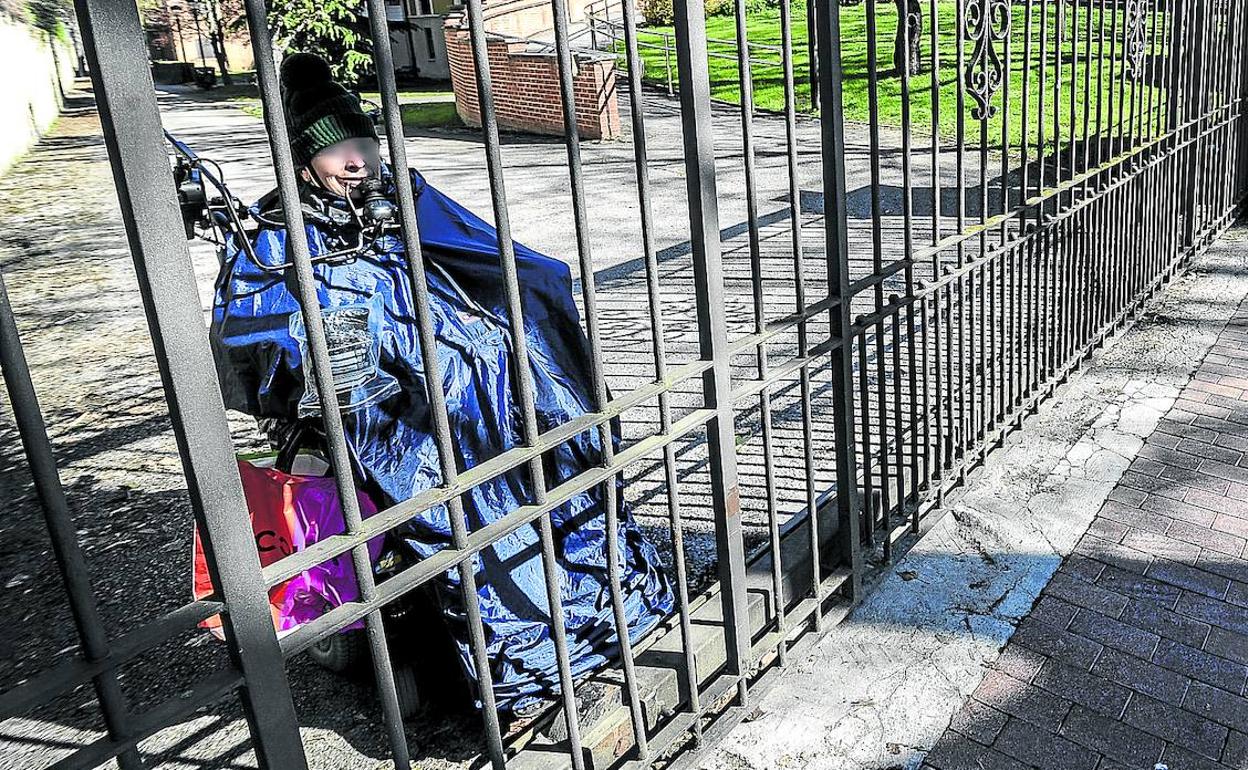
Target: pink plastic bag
[(289, 513)]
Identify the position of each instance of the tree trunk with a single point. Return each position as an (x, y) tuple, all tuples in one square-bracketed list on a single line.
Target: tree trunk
[(909, 30), (217, 35)]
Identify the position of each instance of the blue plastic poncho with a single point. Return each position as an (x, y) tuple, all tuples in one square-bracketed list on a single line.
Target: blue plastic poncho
[(256, 330)]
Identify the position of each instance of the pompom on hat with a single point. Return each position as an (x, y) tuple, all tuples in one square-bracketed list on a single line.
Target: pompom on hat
[(319, 111)]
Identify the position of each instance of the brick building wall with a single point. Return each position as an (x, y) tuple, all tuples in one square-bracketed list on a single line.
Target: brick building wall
[(526, 86)]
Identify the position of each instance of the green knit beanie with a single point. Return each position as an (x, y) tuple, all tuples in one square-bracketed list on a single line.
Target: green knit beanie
[(319, 111)]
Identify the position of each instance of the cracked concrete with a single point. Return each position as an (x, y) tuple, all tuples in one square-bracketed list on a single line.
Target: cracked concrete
[(882, 687)]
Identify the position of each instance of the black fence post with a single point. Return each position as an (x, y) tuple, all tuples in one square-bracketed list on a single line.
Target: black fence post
[(125, 96), (836, 227), (704, 238)]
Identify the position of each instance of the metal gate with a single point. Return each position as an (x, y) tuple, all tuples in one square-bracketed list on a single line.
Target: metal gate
[(1094, 147)]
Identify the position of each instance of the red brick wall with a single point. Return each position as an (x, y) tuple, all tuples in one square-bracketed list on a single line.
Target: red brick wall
[(526, 87)]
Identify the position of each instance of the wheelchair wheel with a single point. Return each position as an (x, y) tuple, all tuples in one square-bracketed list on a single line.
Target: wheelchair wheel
[(405, 686), (341, 653)]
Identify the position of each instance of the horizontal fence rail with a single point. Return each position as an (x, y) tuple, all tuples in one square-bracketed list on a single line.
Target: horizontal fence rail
[(990, 191)]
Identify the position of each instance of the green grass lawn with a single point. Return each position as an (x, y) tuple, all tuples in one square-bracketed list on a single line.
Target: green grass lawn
[(439, 114), (767, 78)]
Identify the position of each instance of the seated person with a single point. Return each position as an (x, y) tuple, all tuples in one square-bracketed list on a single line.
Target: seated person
[(370, 317)]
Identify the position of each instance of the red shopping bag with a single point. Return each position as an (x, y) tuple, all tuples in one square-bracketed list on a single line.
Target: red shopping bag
[(290, 512)]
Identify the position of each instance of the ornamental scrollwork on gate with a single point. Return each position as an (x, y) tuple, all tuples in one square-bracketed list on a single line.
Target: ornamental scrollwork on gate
[(986, 24), (1135, 47)]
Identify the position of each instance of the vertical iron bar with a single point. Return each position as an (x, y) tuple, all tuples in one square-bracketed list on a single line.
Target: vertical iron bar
[(1100, 86), (745, 75), (1058, 41), (965, 424), (692, 64), (1025, 367), (868, 485), (795, 212), (877, 265), (934, 25), (1087, 95), (832, 136), (812, 55), (935, 446), (907, 188)]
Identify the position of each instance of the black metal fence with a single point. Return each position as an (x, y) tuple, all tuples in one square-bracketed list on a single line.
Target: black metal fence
[(1044, 169)]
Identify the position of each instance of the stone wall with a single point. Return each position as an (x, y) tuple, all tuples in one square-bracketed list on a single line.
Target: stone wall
[(30, 94)]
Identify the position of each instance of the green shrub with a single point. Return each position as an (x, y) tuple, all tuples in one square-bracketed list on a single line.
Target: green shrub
[(658, 13), (661, 13)]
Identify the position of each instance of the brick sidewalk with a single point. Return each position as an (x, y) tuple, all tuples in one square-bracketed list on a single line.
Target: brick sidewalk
[(1136, 654)]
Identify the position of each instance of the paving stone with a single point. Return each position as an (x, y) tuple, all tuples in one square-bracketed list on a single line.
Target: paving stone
[(1042, 748), (1172, 457), (1084, 593), (1114, 633), (957, 752), (1161, 545), (1152, 485), (1113, 552), (1164, 440), (1236, 752), (1201, 451), (1141, 676), (1206, 538), (1112, 738), (1081, 568), (1201, 665), (1151, 616), (1190, 578), (1213, 612), (1137, 518), (1186, 430), (1220, 706), (1019, 699), (1238, 594), (1232, 525), (1176, 726), (1083, 687), (1054, 611), (1210, 469), (1055, 643), (1202, 409), (1221, 564), (1177, 509), (1127, 495), (1146, 467), (1224, 390), (1202, 480), (978, 721), (1227, 644), (1218, 503), (1019, 662), (1229, 441), (1178, 758), (1136, 586)]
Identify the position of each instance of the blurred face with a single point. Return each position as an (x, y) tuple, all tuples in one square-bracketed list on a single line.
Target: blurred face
[(341, 167)]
